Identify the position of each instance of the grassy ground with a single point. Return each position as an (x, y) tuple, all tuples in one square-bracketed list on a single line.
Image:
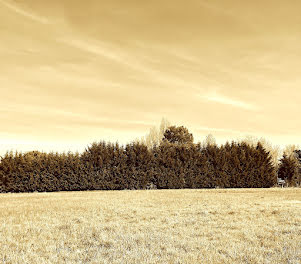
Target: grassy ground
[(158, 226)]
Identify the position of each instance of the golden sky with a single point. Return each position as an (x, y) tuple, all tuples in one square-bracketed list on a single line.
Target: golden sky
[(73, 71)]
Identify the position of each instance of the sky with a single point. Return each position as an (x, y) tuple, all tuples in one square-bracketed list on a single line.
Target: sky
[(73, 72)]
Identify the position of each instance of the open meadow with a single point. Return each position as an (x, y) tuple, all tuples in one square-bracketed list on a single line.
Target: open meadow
[(152, 226)]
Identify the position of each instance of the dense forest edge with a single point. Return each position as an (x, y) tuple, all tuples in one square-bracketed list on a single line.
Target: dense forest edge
[(168, 160)]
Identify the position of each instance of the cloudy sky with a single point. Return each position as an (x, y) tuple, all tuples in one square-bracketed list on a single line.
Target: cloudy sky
[(73, 71)]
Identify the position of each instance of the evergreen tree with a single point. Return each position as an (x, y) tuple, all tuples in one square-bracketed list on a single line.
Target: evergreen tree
[(289, 170)]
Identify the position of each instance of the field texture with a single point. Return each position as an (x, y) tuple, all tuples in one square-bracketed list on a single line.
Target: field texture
[(156, 226)]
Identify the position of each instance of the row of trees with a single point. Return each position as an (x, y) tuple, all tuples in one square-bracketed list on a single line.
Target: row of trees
[(287, 164), (173, 162)]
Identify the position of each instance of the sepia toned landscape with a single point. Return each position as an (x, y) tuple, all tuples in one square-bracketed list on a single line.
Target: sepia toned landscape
[(160, 131), (155, 226)]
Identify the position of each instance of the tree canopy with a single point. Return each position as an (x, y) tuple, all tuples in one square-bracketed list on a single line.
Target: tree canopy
[(178, 135)]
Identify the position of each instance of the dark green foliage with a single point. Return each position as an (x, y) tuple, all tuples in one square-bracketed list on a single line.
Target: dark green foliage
[(36, 171), (290, 169), (178, 135), (238, 166), (168, 167), (138, 166), (175, 163)]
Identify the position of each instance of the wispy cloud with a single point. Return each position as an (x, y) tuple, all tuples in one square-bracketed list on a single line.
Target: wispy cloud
[(24, 12), (98, 49), (221, 99), (129, 60)]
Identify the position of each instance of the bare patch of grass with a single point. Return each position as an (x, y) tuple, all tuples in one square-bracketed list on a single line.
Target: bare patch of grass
[(154, 226)]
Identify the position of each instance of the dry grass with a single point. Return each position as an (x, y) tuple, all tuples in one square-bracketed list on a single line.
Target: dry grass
[(159, 226)]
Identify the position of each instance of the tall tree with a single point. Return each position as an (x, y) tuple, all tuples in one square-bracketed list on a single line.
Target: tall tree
[(209, 141), (273, 150), (155, 135), (289, 169), (178, 135)]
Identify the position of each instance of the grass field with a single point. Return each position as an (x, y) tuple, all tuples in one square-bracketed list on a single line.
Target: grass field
[(155, 226)]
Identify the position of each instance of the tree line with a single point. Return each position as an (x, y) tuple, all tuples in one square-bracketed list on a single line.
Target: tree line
[(171, 163)]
